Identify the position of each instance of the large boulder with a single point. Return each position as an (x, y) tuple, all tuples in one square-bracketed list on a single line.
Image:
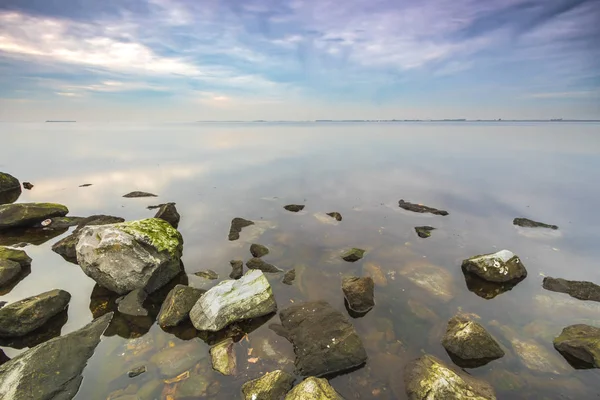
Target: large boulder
[(271, 386), (25, 316), (52, 370), (10, 188), (313, 389), (325, 342), (428, 378), (581, 290), (131, 255), (29, 214), (178, 304), (502, 266), (580, 345), (250, 296)]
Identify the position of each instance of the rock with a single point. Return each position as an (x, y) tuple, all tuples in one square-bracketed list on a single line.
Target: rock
[(324, 340), (581, 290), (9, 270), (28, 214), (132, 373), (49, 330), (289, 277), (85, 185), (294, 207), (580, 345), (428, 378), (359, 293), (259, 263), (25, 316), (169, 213), (10, 188), (431, 278), (139, 194), (485, 289), (469, 344), (258, 250), (178, 304), (27, 185), (502, 266), (131, 255), (419, 208), (335, 215), (52, 370), (237, 269), (223, 357), (353, 254), (18, 256), (4, 358), (424, 231), (66, 246), (233, 300), (173, 361), (195, 387), (313, 389), (133, 303), (59, 223), (271, 386), (208, 274), (527, 223), (237, 224)]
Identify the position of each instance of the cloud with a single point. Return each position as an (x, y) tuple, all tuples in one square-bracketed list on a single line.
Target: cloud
[(583, 94)]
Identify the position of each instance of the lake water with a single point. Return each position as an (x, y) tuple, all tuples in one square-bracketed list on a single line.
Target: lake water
[(484, 174)]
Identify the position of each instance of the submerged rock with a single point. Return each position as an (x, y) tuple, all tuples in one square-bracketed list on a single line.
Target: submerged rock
[(172, 361), (52, 370), (178, 304), (131, 255), (581, 290), (502, 266), (25, 316), (580, 345), (237, 269), (207, 274), (435, 280), (139, 194), (133, 303), (527, 223), (10, 188), (132, 373), (258, 250), (237, 224), (250, 296), (419, 208), (469, 344), (335, 215), (374, 271), (29, 214), (354, 254), (223, 357), (259, 263), (168, 212), (428, 378), (294, 207), (289, 277), (424, 231), (325, 342), (271, 386), (359, 293), (313, 389)]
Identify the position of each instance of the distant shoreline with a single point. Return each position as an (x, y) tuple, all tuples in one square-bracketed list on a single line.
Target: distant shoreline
[(406, 120)]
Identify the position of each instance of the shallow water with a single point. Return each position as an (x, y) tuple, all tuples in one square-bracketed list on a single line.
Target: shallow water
[(483, 174)]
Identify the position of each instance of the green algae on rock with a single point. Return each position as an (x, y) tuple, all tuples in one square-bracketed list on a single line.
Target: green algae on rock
[(271, 386), (354, 254), (313, 389), (10, 188), (157, 233), (424, 231), (223, 357), (178, 304), (502, 266), (28, 214), (18, 256), (580, 345)]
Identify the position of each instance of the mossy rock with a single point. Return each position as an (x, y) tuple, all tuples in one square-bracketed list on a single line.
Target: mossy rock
[(18, 256), (10, 188), (580, 345), (271, 386), (29, 214), (353, 255), (313, 389)]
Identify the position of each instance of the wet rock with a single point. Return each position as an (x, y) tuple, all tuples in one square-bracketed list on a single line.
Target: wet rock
[(234, 300), (260, 264), (9, 270), (173, 361), (132, 373), (581, 290), (52, 370), (294, 207), (485, 289), (131, 255), (237, 224), (12, 263), (139, 194), (258, 250), (223, 357), (422, 312), (527, 223), (335, 215), (10, 188), (324, 341), (25, 316), (27, 185), (133, 303), (168, 212), (469, 344), (271, 386), (289, 277), (178, 304), (237, 269), (313, 389), (435, 280), (195, 387), (4, 358), (359, 293), (580, 345), (354, 254), (59, 223), (29, 214), (424, 231), (51, 329), (499, 267), (419, 208), (208, 274), (428, 378)]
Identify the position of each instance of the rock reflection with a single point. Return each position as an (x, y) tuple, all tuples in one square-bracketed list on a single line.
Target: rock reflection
[(49, 330), (488, 290), (35, 236)]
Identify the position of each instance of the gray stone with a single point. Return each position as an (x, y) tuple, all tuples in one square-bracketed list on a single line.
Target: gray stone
[(169, 213), (359, 293), (294, 207), (499, 267), (313, 389), (10, 188), (131, 255), (25, 316), (353, 254), (139, 194), (28, 214), (528, 223), (207, 274), (581, 290), (178, 304), (237, 224), (419, 208), (580, 345), (237, 269), (52, 370), (258, 250), (223, 357), (271, 386), (289, 277), (27, 185), (259, 263), (9, 270), (133, 303), (335, 215), (230, 301)]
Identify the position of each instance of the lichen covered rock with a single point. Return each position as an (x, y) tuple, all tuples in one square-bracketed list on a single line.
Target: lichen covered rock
[(580, 345), (502, 266), (313, 389), (271, 386), (223, 357), (178, 304), (28, 214)]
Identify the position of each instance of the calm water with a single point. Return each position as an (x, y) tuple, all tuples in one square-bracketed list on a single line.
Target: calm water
[(483, 174)]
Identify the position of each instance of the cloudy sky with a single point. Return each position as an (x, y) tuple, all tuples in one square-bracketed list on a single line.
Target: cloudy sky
[(187, 60)]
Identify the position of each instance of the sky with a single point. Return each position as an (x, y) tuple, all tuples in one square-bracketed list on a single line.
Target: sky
[(189, 60)]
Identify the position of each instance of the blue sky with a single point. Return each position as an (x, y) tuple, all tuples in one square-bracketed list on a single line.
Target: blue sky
[(185, 60)]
